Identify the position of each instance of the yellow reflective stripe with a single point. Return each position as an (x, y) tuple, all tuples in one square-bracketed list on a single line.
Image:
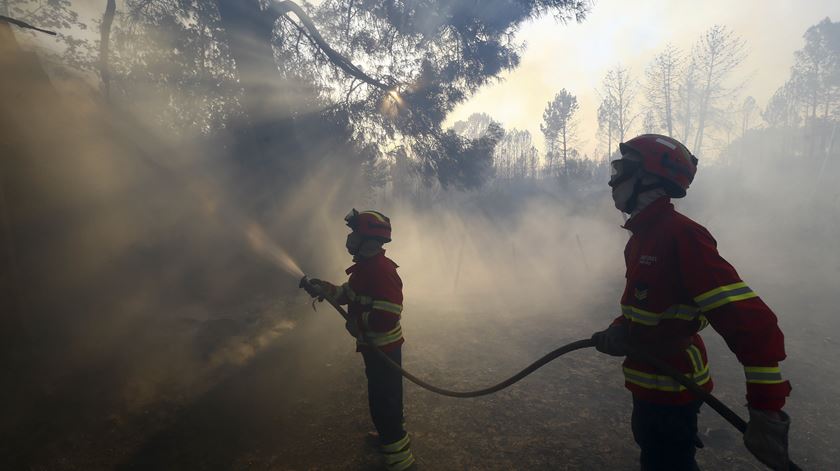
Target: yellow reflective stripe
[(730, 299), (763, 374), (351, 295), (384, 338), (640, 315), (662, 382), (402, 465), (724, 295), (682, 312), (375, 214), (365, 316), (394, 458), (387, 306), (704, 322), (678, 311), (695, 357), (719, 289), (364, 300), (763, 369), (397, 445)]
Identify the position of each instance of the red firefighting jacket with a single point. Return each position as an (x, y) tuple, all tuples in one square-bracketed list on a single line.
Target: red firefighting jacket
[(374, 298), (677, 284)]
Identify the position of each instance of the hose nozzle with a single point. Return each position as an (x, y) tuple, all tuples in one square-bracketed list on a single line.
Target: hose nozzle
[(304, 283)]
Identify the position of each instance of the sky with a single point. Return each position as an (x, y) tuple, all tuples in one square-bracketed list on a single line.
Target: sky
[(577, 56)]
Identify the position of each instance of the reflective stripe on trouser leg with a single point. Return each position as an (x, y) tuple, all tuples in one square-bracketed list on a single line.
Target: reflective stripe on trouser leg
[(398, 455)]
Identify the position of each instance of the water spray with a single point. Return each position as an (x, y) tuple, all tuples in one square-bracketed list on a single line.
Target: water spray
[(261, 244)]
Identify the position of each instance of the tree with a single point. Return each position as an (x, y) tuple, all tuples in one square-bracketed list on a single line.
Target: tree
[(649, 125), (663, 75), (781, 110), (618, 96), (815, 79), (606, 123), (748, 109), (687, 98), (516, 156), (429, 56), (59, 16), (559, 128), (461, 163), (474, 127), (816, 70), (716, 55)]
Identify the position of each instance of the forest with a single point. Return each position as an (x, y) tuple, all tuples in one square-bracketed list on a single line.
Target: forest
[(168, 168)]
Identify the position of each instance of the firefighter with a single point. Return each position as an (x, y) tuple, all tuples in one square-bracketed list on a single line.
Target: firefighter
[(677, 284), (374, 297)]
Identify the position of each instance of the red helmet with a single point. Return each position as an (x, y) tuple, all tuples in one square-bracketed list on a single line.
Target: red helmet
[(369, 224), (664, 157)]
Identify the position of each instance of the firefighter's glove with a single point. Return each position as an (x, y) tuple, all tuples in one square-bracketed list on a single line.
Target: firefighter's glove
[(767, 438), (319, 288), (612, 341)]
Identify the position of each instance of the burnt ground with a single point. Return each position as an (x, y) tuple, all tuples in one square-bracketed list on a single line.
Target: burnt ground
[(300, 404)]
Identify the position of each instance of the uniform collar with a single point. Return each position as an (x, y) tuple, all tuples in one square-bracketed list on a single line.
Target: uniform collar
[(365, 261), (649, 215)]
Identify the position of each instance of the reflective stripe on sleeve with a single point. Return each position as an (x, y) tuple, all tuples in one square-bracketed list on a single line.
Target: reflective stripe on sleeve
[(351, 295), (365, 316), (763, 374), (387, 306), (724, 295)]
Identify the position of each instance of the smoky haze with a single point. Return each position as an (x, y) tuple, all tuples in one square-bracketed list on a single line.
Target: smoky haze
[(153, 244)]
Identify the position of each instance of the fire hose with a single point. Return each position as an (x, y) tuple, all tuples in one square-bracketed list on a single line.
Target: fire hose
[(728, 414)]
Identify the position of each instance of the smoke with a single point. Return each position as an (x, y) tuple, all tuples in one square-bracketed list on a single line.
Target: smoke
[(143, 270)]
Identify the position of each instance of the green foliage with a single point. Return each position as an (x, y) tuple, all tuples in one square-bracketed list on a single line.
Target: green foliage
[(459, 162)]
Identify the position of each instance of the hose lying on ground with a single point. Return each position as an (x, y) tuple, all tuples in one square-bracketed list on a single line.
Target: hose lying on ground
[(663, 367)]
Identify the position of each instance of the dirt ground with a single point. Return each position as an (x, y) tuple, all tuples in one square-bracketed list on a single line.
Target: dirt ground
[(300, 404)]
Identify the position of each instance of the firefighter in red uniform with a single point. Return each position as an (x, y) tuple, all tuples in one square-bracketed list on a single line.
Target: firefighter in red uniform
[(374, 298), (677, 284)]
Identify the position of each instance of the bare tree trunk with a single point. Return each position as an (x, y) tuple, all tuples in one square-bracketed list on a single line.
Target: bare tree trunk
[(704, 106), (104, 45), (669, 121), (565, 152)]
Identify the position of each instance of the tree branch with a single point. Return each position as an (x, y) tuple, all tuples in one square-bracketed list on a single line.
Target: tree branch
[(284, 7), (25, 25)]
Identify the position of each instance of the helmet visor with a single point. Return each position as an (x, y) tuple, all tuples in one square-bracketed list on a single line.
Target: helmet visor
[(621, 170), (350, 218)]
